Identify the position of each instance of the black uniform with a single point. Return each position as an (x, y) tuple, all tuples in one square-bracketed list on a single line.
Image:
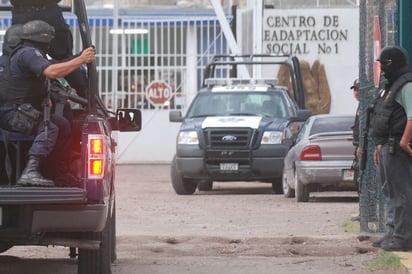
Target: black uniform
[(26, 84), (388, 123)]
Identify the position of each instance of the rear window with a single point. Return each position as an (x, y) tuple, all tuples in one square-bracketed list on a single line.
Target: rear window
[(332, 124)]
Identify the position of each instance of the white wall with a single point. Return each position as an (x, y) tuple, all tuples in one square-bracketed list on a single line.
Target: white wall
[(156, 142)]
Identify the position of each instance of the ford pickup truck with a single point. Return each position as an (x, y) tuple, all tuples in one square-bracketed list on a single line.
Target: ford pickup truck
[(81, 218), (237, 129)]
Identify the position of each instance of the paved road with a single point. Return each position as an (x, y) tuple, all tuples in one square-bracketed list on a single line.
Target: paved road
[(236, 228)]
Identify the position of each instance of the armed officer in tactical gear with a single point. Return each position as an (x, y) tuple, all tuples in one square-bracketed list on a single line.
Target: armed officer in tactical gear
[(29, 69), (61, 47), (391, 128)]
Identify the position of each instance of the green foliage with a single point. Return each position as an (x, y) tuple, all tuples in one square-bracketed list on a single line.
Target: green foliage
[(384, 261)]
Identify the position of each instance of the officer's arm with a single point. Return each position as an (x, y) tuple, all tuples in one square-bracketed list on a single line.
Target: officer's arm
[(62, 69), (406, 102)]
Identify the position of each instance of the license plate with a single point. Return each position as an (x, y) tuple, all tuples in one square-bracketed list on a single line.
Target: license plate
[(229, 166), (348, 174)]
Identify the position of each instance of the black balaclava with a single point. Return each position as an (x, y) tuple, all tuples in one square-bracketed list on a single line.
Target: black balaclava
[(394, 62)]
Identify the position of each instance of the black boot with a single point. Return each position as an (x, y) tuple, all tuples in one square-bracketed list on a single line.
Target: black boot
[(31, 175)]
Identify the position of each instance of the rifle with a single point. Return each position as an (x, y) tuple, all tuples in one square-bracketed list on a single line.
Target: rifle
[(60, 95), (46, 110), (364, 152)]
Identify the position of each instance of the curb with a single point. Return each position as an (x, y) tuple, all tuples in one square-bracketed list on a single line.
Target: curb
[(406, 261)]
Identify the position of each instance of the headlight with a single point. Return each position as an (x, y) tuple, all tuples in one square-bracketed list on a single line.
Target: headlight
[(188, 138), (272, 137)]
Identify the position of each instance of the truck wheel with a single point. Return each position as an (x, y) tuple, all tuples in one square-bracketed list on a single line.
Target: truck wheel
[(288, 192), (277, 186), (302, 191), (113, 242), (205, 185), (180, 185), (97, 261)]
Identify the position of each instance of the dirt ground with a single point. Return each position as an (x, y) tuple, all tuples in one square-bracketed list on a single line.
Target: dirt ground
[(236, 228)]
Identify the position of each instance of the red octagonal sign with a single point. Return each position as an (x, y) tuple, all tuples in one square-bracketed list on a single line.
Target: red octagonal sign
[(158, 92)]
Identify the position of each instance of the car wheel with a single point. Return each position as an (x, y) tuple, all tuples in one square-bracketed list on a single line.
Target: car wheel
[(288, 192), (205, 185), (181, 185), (277, 186), (302, 191)]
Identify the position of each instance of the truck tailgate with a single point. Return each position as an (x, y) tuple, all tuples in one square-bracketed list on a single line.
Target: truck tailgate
[(41, 195)]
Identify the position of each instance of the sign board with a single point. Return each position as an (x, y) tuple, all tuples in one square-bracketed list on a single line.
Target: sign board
[(158, 92), (329, 35)]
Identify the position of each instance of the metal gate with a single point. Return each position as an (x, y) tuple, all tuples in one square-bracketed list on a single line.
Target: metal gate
[(373, 217), (138, 51), (133, 51)]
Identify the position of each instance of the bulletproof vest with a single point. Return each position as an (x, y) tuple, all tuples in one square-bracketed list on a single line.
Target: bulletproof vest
[(20, 90), (389, 117), (5, 75)]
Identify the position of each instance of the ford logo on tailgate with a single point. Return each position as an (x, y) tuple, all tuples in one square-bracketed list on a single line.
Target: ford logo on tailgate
[(229, 138)]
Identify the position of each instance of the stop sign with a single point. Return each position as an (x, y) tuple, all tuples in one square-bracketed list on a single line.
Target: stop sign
[(158, 92)]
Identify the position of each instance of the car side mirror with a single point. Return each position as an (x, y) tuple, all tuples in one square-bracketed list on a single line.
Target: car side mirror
[(128, 119), (175, 116)]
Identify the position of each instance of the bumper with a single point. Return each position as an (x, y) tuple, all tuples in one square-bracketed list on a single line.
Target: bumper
[(75, 219), (264, 164), (324, 173), (18, 220)]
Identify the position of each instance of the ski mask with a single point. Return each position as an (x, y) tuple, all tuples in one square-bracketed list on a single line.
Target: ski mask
[(393, 61)]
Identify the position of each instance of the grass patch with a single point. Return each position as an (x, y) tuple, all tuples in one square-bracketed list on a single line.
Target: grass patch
[(350, 226), (384, 261)]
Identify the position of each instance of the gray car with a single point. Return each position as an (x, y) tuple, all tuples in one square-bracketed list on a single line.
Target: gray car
[(321, 158)]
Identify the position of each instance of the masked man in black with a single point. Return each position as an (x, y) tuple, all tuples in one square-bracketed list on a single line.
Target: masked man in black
[(391, 128), (61, 47), (26, 76)]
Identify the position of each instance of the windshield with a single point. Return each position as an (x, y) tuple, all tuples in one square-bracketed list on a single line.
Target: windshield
[(238, 103)]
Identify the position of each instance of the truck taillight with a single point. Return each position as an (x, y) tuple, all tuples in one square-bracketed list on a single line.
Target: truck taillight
[(96, 157), (311, 153)]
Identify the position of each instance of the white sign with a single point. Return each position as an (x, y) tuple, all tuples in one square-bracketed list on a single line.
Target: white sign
[(328, 35)]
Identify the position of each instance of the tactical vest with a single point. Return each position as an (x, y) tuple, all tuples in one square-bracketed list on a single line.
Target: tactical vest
[(389, 117), (17, 90)]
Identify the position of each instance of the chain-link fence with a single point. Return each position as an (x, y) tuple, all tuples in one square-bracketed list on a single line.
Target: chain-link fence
[(371, 201)]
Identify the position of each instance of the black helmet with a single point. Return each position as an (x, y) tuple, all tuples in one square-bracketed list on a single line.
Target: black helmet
[(12, 38), (38, 31), (392, 59)]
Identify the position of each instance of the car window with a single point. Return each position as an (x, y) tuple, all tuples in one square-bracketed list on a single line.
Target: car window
[(332, 124)]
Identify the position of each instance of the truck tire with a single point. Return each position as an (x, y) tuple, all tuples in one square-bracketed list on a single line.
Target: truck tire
[(97, 261), (277, 186), (180, 185), (113, 235), (301, 191), (205, 185)]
